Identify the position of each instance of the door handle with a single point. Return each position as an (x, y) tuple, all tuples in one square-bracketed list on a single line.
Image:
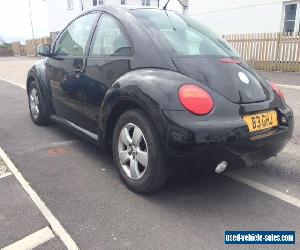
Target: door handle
[(78, 70)]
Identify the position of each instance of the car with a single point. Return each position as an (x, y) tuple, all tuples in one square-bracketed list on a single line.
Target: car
[(158, 90)]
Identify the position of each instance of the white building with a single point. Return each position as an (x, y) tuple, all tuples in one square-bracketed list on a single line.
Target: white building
[(247, 16), (60, 12)]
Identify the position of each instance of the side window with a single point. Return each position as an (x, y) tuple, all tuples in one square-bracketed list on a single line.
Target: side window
[(110, 39), (73, 40)]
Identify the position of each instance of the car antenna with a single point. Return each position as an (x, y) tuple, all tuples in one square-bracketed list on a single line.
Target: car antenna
[(165, 7), (170, 21)]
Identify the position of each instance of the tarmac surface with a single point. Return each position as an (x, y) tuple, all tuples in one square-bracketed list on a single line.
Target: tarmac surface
[(80, 185)]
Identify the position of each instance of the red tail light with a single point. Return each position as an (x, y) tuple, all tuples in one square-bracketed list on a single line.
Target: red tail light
[(277, 90), (195, 99)]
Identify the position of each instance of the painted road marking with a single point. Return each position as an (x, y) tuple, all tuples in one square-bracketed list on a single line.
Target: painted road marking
[(265, 189), (11, 82), (33, 240), (54, 223), (47, 146), (5, 175), (63, 143), (285, 86)]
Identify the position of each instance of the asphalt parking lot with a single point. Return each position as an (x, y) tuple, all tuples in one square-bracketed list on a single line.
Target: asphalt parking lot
[(80, 186)]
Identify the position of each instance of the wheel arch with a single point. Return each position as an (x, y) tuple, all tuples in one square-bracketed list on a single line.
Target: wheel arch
[(117, 110), (114, 111), (150, 89), (38, 74), (30, 78)]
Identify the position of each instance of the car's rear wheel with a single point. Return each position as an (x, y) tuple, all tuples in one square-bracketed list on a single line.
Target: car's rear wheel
[(138, 152), (38, 112)]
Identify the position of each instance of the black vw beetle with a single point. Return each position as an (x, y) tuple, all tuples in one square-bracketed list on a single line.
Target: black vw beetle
[(160, 90)]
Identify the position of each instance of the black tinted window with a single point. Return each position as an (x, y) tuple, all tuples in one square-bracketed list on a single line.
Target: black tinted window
[(185, 35), (73, 40), (110, 39)]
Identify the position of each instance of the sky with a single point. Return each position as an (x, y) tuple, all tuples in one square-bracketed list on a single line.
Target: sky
[(15, 19)]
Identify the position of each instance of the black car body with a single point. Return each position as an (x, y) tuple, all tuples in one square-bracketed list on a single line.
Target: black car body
[(88, 92)]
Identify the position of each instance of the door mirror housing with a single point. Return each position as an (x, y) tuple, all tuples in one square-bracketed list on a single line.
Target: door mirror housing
[(44, 50)]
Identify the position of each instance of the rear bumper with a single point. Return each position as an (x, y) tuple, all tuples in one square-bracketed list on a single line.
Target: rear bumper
[(205, 143)]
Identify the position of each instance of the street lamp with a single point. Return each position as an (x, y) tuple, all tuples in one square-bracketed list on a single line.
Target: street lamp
[(34, 45)]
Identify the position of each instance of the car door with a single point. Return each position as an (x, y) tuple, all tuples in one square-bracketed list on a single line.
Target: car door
[(110, 56), (66, 66)]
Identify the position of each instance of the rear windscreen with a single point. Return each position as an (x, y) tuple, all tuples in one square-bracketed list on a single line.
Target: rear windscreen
[(186, 36)]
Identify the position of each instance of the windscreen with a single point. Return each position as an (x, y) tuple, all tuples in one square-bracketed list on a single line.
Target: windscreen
[(186, 36)]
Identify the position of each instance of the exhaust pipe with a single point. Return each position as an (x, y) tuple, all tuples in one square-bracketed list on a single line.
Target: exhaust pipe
[(221, 167)]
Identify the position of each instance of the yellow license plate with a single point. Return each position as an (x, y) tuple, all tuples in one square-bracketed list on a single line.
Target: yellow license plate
[(261, 121)]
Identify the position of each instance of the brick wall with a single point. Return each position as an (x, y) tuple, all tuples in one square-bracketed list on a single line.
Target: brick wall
[(6, 52)]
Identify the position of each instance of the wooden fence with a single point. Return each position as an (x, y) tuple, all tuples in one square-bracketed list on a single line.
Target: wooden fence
[(17, 49), (269, 51), (32, 45)]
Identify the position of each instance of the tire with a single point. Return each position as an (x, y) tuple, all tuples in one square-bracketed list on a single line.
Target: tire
[(143, 179), (38, 111)]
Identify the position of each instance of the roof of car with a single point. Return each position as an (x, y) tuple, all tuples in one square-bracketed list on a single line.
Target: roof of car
[(125, 7), (120, 9)]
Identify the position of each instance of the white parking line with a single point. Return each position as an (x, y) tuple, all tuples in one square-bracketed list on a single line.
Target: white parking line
[(14, 83), (5, 175), (33, 240), (265, 189), (54, 223)]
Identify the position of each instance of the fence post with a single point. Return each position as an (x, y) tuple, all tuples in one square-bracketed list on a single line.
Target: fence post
[(277, 49), (298, 52)]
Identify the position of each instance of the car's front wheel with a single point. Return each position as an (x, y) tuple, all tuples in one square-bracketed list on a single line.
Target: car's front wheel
[(37, 109), (138, 153)]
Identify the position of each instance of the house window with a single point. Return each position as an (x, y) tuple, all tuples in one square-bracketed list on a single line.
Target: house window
[(146, 3), (291, 17), (123, 2), (98, 2), (70, 4)]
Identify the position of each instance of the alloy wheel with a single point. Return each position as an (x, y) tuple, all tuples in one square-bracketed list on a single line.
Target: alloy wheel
[(133, 151), (34, 103)]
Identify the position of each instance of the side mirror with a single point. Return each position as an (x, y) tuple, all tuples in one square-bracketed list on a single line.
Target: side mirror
[(44, 50)]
